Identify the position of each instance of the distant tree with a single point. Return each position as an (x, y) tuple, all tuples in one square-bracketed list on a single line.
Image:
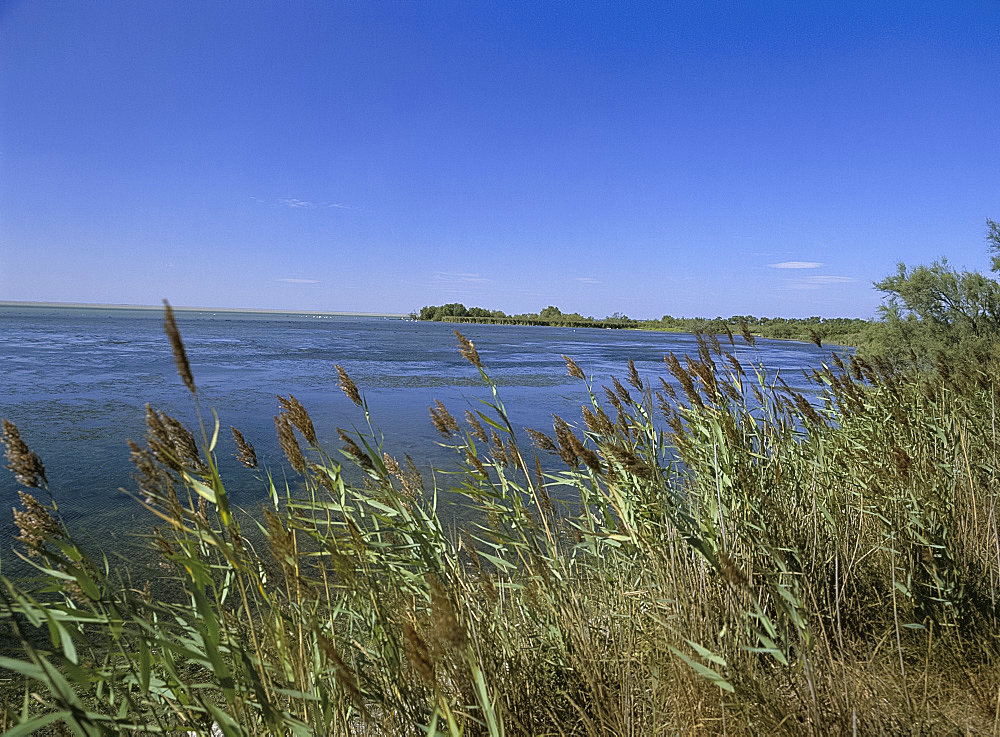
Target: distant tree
[(550, 313), (937, 308)]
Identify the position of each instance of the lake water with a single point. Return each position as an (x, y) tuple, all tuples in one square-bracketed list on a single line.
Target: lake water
[(75, 381)]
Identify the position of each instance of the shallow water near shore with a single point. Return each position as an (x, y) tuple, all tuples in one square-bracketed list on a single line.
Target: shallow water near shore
[(76, 380)]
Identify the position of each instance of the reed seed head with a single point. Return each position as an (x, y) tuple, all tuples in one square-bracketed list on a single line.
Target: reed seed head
[(541, 440), (391, 464), (621, 391), (354, 450), (411, 479), (747, 335), (686, 382), (476, 428), (668, 389), (348, 386), (613, 399), (419, 654), (497, 449), (442, 419), (299, 418), (468, 350), (448, 628), (473, 460), (573, 369), (289, 445), (177, 345), (27, 467), (246, 455), (548, 508), (633, 376), (567, 442), (35, 524)]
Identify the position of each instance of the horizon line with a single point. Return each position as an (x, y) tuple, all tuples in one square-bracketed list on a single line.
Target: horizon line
[(264, 310)]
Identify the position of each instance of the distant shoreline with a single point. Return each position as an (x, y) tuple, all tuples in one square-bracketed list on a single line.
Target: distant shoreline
[(228, 310)]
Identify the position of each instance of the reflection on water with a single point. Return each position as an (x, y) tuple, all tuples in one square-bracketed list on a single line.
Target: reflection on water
[(76, 381)]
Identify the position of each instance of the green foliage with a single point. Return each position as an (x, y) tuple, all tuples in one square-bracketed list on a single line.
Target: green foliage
[(936, 310), (837, 331)]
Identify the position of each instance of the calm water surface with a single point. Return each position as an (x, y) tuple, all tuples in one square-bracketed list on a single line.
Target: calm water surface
[(76, 381)]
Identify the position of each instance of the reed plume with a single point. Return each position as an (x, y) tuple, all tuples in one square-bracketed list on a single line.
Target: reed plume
[(747, 335), (541, 440), (299, 417), (633, 376), (566, 441), (476, 428), (446, 424), (35, 524), (419, 654), (354, 450), (468, 351), (348, 386), (177, 346), (573, 369), (246, 453), (27, 466), (289, 445)]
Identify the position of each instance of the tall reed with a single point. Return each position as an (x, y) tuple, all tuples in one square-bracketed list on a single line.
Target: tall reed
[(729, 556)]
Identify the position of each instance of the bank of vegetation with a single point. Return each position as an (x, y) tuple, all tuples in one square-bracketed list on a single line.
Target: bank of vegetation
[(835, 331), (740, 559)]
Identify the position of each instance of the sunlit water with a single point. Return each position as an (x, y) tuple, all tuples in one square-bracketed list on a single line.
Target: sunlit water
[(75, 381)]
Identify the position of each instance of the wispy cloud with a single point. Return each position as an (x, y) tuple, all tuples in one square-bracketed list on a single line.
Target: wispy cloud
[(297, 204), (819, 281), (587, 280), (445, 277), (796, 265), (832, 279), (299, 281)]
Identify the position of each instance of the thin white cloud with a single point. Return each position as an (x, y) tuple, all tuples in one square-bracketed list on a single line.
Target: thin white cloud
[(820, 281), (587, 280), (299, 281), (445, 277), (796, 265), (831, 279), (297, 204)]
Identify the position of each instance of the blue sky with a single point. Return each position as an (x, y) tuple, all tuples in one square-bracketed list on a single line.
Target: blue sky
[(651, 158)]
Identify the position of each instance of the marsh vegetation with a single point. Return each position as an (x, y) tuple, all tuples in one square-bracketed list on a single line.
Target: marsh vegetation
[(738, 557)]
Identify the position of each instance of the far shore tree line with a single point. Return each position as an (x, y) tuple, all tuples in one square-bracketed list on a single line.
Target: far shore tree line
[(930, 311), (837, 330)]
